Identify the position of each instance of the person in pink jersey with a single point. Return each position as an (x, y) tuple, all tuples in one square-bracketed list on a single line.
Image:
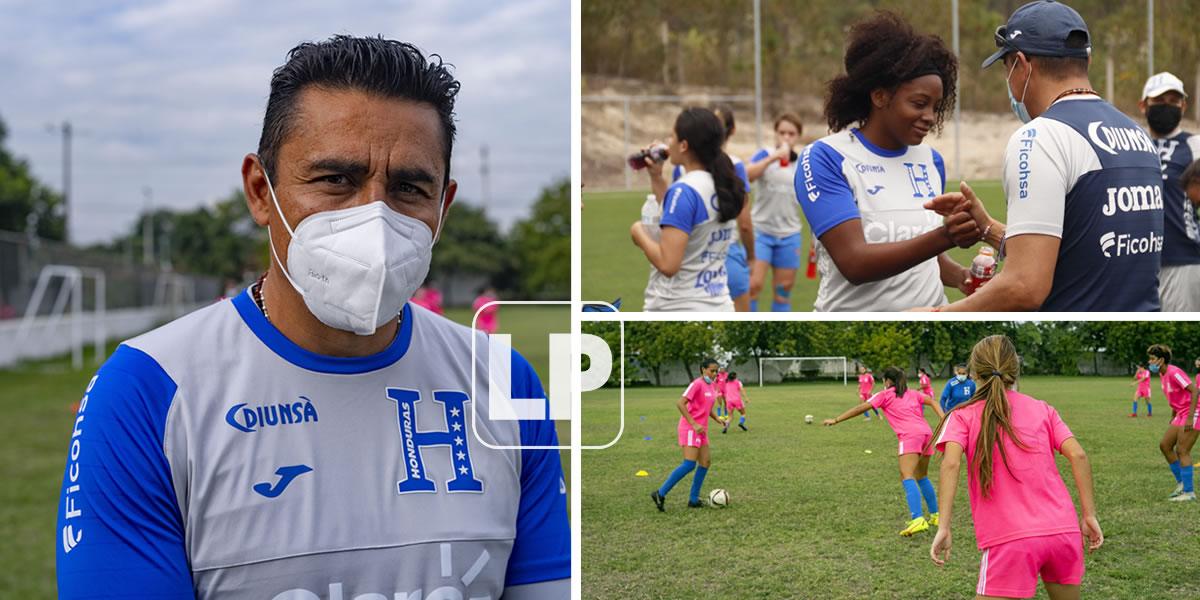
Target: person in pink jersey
[(926, 385), (428, 297), (735, 399), (722, 377), (904, 409), (695, 408), (866, 386), (1025, 521), (488, 319), (1177, 442), (1141, 379)]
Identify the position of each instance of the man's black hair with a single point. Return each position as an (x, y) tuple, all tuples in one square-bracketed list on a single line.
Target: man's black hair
[(374, 65)]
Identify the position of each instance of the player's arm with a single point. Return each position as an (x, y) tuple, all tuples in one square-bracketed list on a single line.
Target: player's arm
[(120, 529), (953, 274), (744, 223), (761, 160), (682, 211), (1187, 422), (936, 408), (539, 567), (654, 170), (939, 551), (851, 413)]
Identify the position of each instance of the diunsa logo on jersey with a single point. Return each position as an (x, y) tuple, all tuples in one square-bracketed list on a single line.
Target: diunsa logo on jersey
[(1123, 139), (250, 418)]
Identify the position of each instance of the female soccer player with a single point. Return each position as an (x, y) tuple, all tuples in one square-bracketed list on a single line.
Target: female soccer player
[(1141, 379), (866, 386), (735, 399), (697, 221), (488, 320), (926, 383), (719, 385), (776, 216), (863, 187), (958, 390), (1177, 442), (1025, 522), (695, 408), (903, 409)]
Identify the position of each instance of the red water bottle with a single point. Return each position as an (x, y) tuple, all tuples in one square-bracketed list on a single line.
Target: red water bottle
[(783, 160), (658, 153), (811, 271), (983, 269)]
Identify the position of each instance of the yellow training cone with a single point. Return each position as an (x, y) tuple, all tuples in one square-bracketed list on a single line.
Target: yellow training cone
[(643, 473)]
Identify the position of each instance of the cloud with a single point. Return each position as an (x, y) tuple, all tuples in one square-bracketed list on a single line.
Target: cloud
[(170, 94)]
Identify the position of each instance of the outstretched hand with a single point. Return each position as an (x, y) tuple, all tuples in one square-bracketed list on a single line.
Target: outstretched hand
[(963, 201)]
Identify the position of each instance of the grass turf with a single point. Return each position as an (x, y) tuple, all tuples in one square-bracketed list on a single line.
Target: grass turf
[(614, 268), (36, 414), (813, 516)]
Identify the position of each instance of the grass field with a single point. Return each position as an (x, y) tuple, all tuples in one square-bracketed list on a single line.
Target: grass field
[(813, 516), (36, 413), (614, 268)]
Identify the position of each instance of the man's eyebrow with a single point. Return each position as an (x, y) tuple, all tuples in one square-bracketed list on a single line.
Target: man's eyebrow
[(337, 165), (411, 174)]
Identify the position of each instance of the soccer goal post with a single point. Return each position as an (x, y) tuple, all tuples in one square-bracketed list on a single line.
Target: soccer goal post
[(790, 368)]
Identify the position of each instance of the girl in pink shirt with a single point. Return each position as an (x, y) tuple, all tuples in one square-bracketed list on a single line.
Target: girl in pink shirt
[(1177, 442), (722, 377), (695, 409), (904, 409), (487, 321), (1142, 380), (866, 384), (1025, 521), (733, 395)]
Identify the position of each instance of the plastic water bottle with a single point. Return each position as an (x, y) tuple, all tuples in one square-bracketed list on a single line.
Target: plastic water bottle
[(652, 217), (983, 268), (658, 153)]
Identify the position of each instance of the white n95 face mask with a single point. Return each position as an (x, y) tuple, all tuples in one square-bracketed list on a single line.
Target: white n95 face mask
[(356, 267)]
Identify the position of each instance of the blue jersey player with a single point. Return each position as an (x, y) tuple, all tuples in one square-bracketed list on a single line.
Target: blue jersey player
[(1085, 198), (1163, 103), (316, 436)]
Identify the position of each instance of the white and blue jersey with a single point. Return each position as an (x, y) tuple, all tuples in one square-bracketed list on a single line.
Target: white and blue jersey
[(774, 211), (690, 205), (1087, 174), (737, 271), (1181, 238), (214, 458), (844, 176)]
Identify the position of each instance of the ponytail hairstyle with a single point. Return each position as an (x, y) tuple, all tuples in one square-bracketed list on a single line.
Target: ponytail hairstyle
[(724, 112), (898, 378), (1160, 351), (705, 135), (994, 366)]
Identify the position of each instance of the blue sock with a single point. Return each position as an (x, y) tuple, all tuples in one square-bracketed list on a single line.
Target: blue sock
[(1149, 409), (929, 494), (913, 494), (1135, 407), (1187, 478), (742, 421), (697, 481), (754, 305), (1177, 471), (679, 473), (781, 306)]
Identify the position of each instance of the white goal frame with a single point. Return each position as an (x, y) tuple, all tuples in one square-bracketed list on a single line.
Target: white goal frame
[(845, 363)]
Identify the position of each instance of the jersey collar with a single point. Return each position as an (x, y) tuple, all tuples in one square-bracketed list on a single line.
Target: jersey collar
[(305, 359), (876, 149)]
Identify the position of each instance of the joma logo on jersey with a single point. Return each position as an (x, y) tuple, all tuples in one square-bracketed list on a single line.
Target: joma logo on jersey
[(1133, 199), (1114, 244), (250, 418), (1125, 139), (413, 440)]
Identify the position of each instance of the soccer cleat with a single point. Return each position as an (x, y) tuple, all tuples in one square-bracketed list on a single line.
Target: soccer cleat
[(933, 519), (725, 429), (696, 504), (658, 499), (915, 526), (743, 426), (1133, 416), (1184, 497), (1178, 490)]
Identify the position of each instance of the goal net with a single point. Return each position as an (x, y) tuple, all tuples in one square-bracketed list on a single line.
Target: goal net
[(778, 369)]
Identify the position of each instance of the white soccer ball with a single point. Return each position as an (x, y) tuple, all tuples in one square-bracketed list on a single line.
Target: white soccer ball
[(719, 497), (808, 419)]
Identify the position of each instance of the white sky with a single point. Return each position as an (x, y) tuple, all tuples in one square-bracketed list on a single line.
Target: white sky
[(170, 94)]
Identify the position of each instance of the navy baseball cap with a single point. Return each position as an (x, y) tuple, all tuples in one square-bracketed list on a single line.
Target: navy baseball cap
[(1040, 29)]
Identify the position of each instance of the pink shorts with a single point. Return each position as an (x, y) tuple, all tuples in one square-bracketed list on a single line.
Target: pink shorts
[(735, 405), (1181, 419), (1143, 394), (915, 444), (689, 438), (928, 391), (1011, 569)]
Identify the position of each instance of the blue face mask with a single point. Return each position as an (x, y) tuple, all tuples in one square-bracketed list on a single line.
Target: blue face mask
[(1153, 367), (960, 378), (707, 379), (1018, 108)]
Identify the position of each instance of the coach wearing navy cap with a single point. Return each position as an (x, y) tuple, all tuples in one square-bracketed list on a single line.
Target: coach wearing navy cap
[(1085, 202)]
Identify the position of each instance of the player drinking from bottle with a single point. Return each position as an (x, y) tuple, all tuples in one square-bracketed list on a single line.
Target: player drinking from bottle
[(697, 224), (863, 187), (1025, 521), (904, 409), (777, 225)]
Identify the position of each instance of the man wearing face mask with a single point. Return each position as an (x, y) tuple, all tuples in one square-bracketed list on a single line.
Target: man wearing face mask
[(316, 436), (1163, 102), (1085, 202)]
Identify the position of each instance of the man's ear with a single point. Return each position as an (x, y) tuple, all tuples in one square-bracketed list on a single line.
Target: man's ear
[(1142, 105), (254, 186)]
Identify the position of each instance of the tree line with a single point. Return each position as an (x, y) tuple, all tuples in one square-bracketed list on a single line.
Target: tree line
[(1046, 348)]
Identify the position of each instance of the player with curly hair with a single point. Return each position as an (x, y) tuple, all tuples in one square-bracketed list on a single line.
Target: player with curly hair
[(863, 187)]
